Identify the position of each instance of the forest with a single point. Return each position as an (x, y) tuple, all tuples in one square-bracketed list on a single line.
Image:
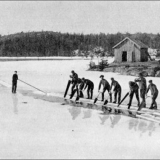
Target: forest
[(49, 43)]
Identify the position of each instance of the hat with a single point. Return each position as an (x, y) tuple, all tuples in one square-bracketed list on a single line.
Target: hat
[(101, 76), (130, 82), (150, 81), (112, 78)]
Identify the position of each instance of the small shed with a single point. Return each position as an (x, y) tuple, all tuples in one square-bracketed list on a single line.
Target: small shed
[(130, 50)]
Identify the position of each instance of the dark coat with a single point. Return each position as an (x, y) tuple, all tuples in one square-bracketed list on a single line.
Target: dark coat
[(153, 89), (142, 83), (105, 84), (88, 83), (116, 85), (133, 86), (75, 78), (14, 78)]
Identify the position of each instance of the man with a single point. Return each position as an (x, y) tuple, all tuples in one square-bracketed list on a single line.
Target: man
[(74, 81), (133, 90), (90, 88), (14, 82), (78, 89), (106, 86), (116, 89), (142, 86), (154, 94)]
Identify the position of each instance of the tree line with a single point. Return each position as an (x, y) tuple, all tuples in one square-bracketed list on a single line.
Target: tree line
[(50, 43)]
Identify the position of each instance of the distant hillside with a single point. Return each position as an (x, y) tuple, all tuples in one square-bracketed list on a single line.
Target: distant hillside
[(50, 43)]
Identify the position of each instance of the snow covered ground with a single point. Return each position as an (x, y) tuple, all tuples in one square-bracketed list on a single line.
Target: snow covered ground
[(34, 126)]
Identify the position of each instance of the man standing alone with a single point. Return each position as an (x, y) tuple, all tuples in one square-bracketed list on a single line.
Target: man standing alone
[(14, 82)]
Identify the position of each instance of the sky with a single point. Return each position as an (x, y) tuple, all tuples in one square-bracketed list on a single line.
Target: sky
[(80, 17)]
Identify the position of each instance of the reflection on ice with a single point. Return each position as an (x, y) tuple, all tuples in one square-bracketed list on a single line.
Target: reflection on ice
[(87, 113), (133, 124), (75, 112), (142, 126), (114, 120), (15, 103), (151, 128), (103, 118)]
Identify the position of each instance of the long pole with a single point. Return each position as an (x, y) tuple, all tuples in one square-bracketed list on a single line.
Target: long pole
[(32, 86), (123, 99)]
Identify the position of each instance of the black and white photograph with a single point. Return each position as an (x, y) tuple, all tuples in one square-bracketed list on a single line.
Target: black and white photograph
[(79, 79)]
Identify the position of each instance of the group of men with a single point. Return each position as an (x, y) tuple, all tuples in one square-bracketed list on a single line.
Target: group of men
[(79, 85)]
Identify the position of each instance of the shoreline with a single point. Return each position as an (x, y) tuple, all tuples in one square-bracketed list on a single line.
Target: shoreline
[(41, 58)]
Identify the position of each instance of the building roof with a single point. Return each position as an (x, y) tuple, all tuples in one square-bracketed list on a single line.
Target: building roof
[(136, 42)]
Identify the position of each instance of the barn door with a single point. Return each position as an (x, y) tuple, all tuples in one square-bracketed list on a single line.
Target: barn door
[(124, 56)]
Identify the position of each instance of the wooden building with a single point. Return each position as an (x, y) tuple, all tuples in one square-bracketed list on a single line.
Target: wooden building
[(130, 50)]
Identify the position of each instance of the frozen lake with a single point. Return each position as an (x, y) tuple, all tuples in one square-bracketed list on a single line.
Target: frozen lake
[(33, 127)]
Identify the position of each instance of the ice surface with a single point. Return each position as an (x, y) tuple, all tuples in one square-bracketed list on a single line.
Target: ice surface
[(34, 125)]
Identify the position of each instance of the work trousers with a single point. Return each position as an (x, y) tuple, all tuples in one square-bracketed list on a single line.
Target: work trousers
[(110, 95), (142, 94), (73, 86), (74, 90), (90, 91), (131, 97), (117, 92), (14, 87), (154, 103)]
